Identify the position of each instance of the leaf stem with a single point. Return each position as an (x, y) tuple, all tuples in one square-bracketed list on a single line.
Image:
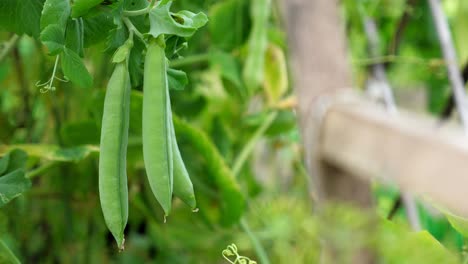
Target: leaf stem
[(259, 250), (9, 45), (245, 152), (144, 11), (43, 168), (132, 29), (238, 164), (199, 58)]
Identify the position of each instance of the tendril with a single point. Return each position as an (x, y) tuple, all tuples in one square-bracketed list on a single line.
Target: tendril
[(230, 251), (49, 84)]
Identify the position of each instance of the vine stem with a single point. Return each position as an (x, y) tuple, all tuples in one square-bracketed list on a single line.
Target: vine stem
[(238, 164), (132, 29), (41, 169), (10, 44), (259, 250), (190, 60), (245, 152), (144, 11)]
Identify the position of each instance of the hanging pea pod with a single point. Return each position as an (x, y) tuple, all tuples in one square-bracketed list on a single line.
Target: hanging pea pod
[(157, 146), (183, 187), (253, 72), (113, 190)]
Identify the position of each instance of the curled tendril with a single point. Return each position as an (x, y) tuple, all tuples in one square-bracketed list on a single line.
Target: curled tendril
[(230, 251), (48, 85)]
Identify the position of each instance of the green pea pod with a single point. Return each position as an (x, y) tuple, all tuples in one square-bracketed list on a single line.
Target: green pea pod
[(183, 187), (253, 72), (113, 190), (157, 147)]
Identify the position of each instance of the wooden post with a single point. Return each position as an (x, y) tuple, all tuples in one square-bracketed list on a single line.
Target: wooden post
[(320, 68)]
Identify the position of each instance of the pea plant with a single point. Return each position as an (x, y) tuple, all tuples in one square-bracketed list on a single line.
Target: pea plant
[(99, 88)]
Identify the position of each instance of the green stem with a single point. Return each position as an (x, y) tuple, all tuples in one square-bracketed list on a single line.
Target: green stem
[(245, 152), (10, 44), (41, 169), (133, 30), (144, 11), (238, 164), (199, 58), (259, 250)]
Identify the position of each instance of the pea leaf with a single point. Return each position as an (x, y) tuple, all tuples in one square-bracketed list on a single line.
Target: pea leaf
[(74, 38), (53, 38), (229, 69), (183, 24), (54, 152), (231, 14), (4, 163), (82, 7), (97, 28), (177, 79), (13, 185), (74, 69), (18, 159), (55, 12), (21, 17), (6, 255)]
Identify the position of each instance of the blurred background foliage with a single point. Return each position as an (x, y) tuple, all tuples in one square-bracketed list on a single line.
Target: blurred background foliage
[(58, 219)]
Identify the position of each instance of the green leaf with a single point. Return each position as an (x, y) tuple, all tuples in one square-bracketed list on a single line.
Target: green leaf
[(183, 24), (13, 185), (74, 36), (54, 152), (21, 17), (400, 246), (53, 38), (6, 255), (55, 12), (4, 161), (177, 79), (229, 68), (18, 159), (82, 7), (232, 15), (97, 28), (74, 69)]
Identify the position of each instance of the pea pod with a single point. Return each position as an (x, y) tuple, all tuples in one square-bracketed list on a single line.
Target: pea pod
[(157, 147), (183, 187), (113, 190), (253, 72)]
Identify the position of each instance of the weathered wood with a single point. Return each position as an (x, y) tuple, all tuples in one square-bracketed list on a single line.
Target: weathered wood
[(318, 57), (364, 140)]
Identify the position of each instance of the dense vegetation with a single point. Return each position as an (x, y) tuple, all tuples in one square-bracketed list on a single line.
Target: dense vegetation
[(233, 117)]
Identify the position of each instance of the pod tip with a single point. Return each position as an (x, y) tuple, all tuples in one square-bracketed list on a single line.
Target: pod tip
[(122, 245), (195, 210)]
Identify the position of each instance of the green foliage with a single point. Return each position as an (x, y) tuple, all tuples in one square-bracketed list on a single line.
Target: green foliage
[(226, 81), (6, 256), (21, 17), (13, 181), (183, 23)]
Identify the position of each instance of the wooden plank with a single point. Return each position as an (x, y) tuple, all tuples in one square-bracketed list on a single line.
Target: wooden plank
[(408, 149)]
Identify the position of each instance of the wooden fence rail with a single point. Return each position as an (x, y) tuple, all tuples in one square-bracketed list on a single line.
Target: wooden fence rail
[(363, 140)]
